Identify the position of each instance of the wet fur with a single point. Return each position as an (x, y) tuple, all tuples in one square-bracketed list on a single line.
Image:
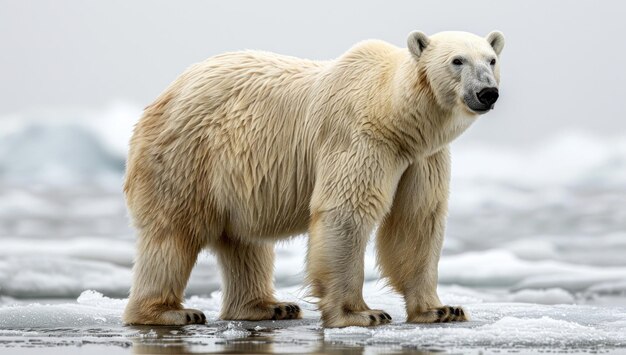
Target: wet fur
[(248, 148)]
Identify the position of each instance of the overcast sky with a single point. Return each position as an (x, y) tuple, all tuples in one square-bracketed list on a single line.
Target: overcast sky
[(563, 65)]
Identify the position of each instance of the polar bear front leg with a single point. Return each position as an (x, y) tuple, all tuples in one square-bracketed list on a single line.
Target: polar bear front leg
[(410, 238), (350, 197), (335, 265)]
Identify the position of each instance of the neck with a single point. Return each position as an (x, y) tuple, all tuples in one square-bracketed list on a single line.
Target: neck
[(421, 126)]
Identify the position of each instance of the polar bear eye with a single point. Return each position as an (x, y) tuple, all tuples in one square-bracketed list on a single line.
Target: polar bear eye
[(493, 62), (457, 61)]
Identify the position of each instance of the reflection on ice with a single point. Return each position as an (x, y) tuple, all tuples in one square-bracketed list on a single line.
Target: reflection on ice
[(493, 325)]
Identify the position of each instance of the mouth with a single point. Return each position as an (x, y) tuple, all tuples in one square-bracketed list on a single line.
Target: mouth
[(475, 106), (481, 110)]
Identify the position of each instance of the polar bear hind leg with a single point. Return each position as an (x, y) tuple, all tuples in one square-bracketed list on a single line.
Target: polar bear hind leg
[(247, 285), (161, 271)]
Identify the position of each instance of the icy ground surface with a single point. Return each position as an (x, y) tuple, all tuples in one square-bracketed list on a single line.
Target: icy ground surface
[(503, 326), (535, 250)]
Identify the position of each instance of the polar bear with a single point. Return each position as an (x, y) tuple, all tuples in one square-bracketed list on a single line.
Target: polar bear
[(248, 148)]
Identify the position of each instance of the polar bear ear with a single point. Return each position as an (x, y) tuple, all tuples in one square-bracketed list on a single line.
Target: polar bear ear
[(496, 41), (417, 42)]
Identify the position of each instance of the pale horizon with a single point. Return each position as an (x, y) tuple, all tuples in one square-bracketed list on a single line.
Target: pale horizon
[(561, 65)]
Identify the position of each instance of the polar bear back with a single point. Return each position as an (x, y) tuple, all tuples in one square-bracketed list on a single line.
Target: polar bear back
[(224, 137)]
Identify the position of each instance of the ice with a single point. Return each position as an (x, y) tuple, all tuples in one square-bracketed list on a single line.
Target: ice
[(111, 125), (506, 332), (50, 268), (16, 203), (611, 288), (37, 276), (120, 252), (547, 296), (569, 159), (502, 268), (114, 125), (90, 309), (97, 299), (492, 325), (235, 331), (63, 155), (503, 325), (86, 264), (65, 148)]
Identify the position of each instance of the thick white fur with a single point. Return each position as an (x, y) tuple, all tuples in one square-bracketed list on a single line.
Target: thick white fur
[(250, 147)]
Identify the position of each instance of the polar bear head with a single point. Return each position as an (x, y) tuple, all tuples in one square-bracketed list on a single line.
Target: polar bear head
[(462, 69)]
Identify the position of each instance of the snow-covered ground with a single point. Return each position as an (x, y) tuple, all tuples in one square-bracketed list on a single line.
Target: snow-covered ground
[(534, 250)]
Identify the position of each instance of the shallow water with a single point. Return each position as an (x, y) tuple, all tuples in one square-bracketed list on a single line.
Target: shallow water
[(511, 330), (94, 321)]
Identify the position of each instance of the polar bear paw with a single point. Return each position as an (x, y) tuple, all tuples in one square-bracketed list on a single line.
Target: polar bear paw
[(165, 317), (286, 311), (182, 317), (440, 315), (366, 318), (264, 311)]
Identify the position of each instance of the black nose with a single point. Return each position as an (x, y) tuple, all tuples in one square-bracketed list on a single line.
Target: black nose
[(488, 96)]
